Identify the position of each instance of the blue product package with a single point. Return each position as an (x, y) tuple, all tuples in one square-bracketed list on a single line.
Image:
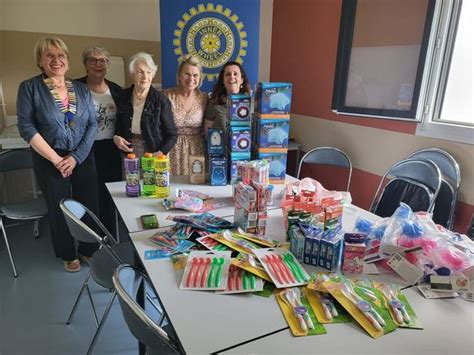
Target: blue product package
[(240, 139), (215, 141), (233, 168), (277, 162), (238, 108), (272, 133), (273, 99), (218, 171)]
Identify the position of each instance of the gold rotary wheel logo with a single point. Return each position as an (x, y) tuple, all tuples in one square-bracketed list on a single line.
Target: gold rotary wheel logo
[(215, 39)]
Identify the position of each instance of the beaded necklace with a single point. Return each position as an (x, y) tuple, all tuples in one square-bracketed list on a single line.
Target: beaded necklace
[(71, 109)]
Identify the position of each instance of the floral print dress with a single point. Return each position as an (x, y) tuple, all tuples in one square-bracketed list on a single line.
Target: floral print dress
[(189, 127)]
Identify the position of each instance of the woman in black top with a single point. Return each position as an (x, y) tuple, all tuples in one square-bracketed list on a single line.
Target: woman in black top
[(145, 121)]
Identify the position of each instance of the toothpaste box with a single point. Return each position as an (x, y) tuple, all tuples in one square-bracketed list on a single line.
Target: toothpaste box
[(218, 171), (273, 100), (215, 141), (272, 133), (238, 109)]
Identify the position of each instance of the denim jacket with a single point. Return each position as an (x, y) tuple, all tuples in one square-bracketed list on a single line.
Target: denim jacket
[(156, 124), (38, 113)]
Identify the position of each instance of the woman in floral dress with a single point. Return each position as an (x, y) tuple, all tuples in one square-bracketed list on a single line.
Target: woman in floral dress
[(188, 104)]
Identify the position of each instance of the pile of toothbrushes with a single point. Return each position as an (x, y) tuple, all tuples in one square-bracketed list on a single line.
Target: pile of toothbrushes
[(206, 270)]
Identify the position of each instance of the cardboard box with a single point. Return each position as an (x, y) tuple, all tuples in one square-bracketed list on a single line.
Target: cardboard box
[(215, 141), (240, 138), (273, 99), (218, 171), (272, 133), (197, 169), (238, 109), (277, 162)]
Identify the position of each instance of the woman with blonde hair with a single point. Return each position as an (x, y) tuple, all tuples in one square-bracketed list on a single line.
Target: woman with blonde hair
[(56, 117), (188, 104)]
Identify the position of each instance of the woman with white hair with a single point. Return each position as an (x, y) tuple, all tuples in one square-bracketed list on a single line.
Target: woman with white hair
[(188, 104), (144, 118)]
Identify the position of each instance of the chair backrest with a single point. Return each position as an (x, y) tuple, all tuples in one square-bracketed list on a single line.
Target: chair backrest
[(15, 159), (445, 204), (84, 226), (127, 281), (409, 181), (328, 156), (447, 165)]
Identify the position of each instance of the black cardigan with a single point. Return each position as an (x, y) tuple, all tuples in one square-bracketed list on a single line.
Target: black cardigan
[(157, 122), (115, 89)]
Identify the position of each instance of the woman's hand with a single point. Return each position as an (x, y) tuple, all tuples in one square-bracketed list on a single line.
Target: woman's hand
[(122, 144), (66, 165)]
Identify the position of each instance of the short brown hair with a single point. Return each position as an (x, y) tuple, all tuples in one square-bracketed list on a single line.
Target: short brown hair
[(48, 42)]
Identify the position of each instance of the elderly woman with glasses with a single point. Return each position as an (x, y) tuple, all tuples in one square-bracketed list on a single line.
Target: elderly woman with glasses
[(105, 96), (56, 117), (145, 121), (188, 104)]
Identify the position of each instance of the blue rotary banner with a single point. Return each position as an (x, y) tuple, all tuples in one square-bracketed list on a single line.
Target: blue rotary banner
[(214, 31)]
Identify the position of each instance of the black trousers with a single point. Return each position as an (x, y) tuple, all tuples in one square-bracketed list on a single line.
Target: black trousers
[(81, 186), (108, 163)]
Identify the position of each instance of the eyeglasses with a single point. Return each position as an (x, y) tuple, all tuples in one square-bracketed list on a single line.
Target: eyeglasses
[(101, 61)]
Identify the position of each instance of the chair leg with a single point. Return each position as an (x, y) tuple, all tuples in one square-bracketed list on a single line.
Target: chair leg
[(101, 325), (85, 286), (36, 229), (12, 262)]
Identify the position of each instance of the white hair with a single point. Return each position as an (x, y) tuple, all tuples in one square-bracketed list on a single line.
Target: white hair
[(142, 58)]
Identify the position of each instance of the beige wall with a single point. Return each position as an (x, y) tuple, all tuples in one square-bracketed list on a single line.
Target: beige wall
[(373, 150), (122, 26)]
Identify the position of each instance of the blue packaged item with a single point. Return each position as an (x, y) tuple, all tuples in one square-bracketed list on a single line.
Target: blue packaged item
[(277, 163), (238, 109), (239, 155), (218, 171), (272, 133), (240, 139), (273, 99), (215, 141)]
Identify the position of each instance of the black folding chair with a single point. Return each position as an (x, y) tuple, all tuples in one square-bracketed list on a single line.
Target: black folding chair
[(158, 339), (86, 227), (445, 204), (328, 156), (30, 210), (415, 182)]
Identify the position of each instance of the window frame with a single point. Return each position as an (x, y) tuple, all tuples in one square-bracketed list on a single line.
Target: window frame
[(447, 13), (346, 33)]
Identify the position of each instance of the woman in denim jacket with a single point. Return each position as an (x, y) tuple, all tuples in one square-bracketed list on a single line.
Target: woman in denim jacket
[(56, 117)]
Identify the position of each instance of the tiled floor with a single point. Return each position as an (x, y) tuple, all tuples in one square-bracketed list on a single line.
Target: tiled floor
[(34, 307)]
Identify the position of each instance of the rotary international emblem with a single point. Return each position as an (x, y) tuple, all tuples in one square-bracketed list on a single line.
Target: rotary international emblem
[(213, 34)]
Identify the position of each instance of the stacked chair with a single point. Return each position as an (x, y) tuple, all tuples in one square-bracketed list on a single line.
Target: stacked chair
[(445, 203), (415, 182), (327, 156)]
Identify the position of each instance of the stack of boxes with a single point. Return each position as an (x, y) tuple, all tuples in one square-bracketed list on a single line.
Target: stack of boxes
[(239, 131), (314, 228), (216, 154), (271, 127), (251, 196)]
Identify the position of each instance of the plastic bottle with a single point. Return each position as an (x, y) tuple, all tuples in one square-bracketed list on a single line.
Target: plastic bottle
[(132, 175), (162, 176), (148, 167)]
